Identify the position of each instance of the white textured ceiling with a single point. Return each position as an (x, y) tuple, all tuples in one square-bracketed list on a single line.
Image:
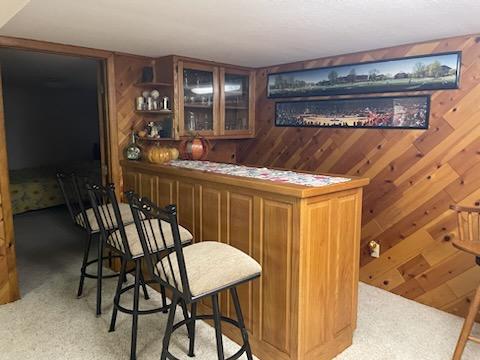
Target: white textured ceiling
[(244, 32)]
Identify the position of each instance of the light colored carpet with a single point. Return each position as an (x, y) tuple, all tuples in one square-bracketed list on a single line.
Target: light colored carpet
[(50, 323)]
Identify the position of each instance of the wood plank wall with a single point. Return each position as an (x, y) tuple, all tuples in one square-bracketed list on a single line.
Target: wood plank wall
[(415, 176)]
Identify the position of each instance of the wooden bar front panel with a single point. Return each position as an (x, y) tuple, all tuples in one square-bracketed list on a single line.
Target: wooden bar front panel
[(304, 305)]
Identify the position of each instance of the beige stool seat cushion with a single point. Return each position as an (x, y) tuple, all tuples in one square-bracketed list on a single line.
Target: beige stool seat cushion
[(210, 266), (153, 231), (105, 210)]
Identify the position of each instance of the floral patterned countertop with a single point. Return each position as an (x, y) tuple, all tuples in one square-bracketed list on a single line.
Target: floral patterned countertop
[(283, 176)]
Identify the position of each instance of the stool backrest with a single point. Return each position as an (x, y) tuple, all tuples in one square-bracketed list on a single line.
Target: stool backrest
[(75, 198), (468, 222), (169, 270), (107, 213)]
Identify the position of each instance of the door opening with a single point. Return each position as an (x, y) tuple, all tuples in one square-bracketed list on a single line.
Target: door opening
[(55, 118)]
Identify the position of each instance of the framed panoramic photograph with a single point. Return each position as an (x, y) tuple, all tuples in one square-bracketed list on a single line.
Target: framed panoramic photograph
[(427, 72), (398, 112)]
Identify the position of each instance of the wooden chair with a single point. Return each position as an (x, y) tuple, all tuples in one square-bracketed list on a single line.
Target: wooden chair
[(468, 240)]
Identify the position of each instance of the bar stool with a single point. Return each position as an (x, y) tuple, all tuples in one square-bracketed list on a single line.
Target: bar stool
[(193, 273), (468, 221), (124, 239), (84, 218)]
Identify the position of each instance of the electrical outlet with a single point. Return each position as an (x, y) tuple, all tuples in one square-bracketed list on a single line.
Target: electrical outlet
[(374, 249)]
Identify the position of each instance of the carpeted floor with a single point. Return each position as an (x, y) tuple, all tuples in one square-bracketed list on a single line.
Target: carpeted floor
[(50, 323)]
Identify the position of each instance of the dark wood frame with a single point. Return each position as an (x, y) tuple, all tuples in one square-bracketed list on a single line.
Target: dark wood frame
[(427, 97), (343, 92)]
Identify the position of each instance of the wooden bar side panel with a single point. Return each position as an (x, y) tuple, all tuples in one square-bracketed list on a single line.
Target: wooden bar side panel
[(329, 274), (276, 274)]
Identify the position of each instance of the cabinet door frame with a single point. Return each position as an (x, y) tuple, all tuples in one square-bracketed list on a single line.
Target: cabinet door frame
[(250, 131), (216, 97)]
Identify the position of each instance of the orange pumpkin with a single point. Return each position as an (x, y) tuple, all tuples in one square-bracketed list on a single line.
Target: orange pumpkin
[(173, 153), (195, 149), (158, 155)]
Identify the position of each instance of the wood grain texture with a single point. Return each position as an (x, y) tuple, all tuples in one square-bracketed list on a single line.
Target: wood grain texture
[(415, 176), (9, 290), (304, 305)]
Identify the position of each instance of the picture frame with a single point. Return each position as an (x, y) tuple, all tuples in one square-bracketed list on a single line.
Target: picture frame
[(388, 112), (414, 73)]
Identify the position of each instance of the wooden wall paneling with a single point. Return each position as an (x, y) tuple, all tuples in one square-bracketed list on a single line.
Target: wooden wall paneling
[(415, 175), (128, 72)]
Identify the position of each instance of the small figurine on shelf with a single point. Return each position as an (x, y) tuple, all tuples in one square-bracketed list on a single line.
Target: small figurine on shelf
[(153, 130), (133, 151)]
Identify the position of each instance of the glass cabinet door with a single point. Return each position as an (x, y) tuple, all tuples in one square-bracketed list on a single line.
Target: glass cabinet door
[(199, 97), (236, 99)]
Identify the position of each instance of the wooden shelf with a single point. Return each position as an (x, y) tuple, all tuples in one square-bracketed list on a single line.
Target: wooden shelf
[(233, 107), (198, 106), (154, 112), (155, 139), (153, 84)]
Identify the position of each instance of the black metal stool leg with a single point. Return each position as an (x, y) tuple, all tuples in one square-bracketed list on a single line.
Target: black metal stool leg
[(183, 304), (144, 286), (164, 299), (241, 322), (169, 328), (84, 265), (193, 315), (218, 327), (99, 275), (136, 295), (116, 299)]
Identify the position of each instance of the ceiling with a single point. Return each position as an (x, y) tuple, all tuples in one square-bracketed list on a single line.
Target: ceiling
[(244, 32), (25, 68)]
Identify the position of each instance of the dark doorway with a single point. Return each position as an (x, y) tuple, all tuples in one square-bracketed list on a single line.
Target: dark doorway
[(54, 121)]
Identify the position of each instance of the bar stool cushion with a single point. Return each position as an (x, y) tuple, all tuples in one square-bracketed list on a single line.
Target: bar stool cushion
[(210, 266), (125, 212), (133, 239)]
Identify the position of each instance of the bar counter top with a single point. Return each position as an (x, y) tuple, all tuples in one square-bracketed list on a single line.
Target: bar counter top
[(189, 169)]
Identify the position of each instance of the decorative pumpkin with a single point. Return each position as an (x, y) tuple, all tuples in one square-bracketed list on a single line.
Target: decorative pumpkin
[(194, 149), (158, 155), (173, 153)]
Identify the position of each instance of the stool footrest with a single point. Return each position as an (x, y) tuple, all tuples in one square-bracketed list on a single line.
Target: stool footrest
[(94, 276), (235, 323), (140, 312)]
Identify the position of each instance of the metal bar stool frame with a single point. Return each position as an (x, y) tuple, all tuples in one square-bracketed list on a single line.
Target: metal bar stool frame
[(107, 217), (143, 207), (71, 190)]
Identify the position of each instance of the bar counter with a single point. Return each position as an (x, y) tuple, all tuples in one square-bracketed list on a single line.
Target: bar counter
[(306, 237)]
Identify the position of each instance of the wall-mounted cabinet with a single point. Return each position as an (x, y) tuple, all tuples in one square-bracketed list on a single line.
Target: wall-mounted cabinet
[(212, 100)]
